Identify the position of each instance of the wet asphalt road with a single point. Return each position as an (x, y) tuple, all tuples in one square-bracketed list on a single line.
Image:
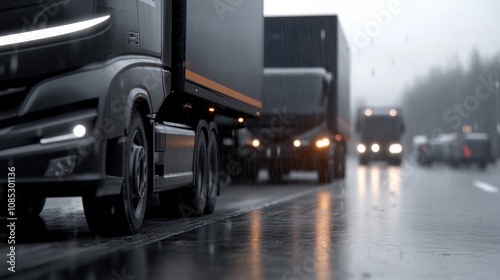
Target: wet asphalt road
[(381, 222)]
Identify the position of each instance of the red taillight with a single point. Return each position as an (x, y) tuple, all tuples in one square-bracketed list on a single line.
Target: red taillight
[(467, 151)]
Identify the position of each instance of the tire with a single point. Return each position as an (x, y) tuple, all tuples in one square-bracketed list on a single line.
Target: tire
[(328, 169), (194, 198), (276, 174), (213, 173), (337, 163), (123, 214), (26, 205), (342, 164), (326, 174)]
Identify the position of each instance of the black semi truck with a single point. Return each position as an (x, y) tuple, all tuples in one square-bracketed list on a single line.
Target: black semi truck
[(379, 131), (305, 117), (116, 101)]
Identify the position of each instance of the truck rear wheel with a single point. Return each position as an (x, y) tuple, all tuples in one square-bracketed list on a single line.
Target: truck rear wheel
[(213, 173), (123, 214), (194, 199)]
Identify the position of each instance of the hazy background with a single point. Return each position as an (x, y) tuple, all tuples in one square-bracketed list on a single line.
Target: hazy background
[(389, 53)]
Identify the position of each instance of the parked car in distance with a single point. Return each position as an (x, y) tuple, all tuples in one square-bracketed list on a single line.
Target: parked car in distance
[(458, 150)]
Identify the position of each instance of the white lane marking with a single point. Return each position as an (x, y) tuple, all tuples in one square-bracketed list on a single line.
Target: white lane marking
[(486, 187)]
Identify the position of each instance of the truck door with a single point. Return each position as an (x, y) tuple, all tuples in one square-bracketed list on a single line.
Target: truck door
[(150, 23)]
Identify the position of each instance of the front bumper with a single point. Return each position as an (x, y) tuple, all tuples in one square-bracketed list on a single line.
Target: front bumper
[(288, 157), (88, 177), (382, 155)]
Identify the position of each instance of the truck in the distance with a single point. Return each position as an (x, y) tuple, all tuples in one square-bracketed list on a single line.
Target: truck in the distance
[(379, 133), (305, 117), (117, 101)]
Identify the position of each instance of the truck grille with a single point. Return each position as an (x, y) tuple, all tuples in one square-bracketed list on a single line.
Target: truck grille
[(11, 100)]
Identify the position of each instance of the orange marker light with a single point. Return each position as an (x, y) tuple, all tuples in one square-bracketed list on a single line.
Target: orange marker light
[(241, 120), (211, 110)]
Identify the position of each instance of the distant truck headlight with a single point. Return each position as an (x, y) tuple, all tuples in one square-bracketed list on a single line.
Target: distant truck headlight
[(375, 148), (395, 148), (256, 143), (325, 142), (361, 149), (297, 143)]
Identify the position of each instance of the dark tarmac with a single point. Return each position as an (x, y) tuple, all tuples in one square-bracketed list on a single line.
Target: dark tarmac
[(381, 222)]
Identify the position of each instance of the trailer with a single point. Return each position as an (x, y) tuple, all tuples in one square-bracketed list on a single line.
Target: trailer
[(117, 102), (380, 130), (305, 119)]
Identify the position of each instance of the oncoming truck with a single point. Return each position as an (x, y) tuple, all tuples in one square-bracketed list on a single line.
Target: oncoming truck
[(117, 101), (304, 123), (379, 131)]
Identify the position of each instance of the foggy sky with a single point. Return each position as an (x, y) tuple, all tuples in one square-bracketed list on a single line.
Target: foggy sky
[(418, 35)]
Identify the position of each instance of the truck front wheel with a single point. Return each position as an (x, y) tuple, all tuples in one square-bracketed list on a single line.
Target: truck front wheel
[(123, 214)]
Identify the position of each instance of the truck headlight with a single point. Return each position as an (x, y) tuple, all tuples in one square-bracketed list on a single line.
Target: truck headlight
[(361, 149), (79, 131), (256, 143), (297, 143), (395, 148), (375, 148), (325, 142)]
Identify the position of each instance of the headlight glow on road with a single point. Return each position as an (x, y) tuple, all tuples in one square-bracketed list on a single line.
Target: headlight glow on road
[(325, 142), (375, 148), (395, 148), (361, 149), (50, 32), (256, 143)]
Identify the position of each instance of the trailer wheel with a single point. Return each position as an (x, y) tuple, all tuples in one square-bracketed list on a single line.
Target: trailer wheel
[(213, 173), (194, 198), (123, 214)]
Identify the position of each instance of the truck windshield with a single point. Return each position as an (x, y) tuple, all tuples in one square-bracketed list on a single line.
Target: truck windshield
[(293, 93), (380, 128)]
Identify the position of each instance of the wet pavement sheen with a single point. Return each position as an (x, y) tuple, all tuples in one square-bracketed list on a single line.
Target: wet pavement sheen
[(381, 222)]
